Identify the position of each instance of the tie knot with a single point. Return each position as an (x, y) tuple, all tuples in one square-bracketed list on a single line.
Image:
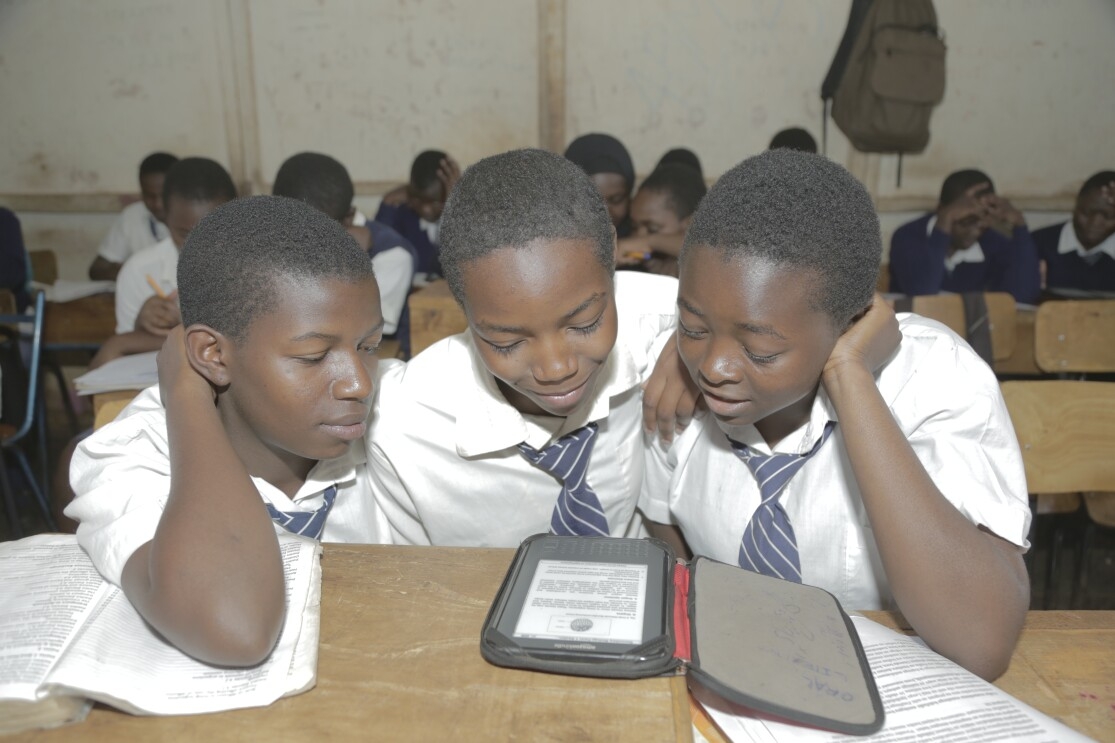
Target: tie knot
[(566, 455), (773, 471)]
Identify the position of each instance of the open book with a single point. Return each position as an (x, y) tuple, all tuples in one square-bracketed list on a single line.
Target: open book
[(66, 634), (926, 697)]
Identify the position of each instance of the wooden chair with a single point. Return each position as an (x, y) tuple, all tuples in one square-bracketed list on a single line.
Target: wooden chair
[(948, 309), (44, 266), (1075, 336), (1066, 430)]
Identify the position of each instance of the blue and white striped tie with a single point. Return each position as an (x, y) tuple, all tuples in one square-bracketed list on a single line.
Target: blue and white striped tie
[(578, 511), (305, 523), (768, 545)]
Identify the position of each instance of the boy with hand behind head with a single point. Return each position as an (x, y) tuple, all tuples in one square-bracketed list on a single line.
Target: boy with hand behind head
[(140, 225), (843, 449), (414, 211), (530, 420), (257, 422)]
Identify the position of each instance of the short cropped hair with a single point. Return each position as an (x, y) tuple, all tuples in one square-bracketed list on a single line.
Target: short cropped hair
[(233, 261), (802, 211), (423, 171), (318, 180), (156, 162), (514, 198), (683, 186), (198, 179), (957, 183), (1097, 181), (793, 138)]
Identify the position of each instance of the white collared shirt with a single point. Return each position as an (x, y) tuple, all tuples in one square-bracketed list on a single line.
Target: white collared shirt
[(971, 254), (443, 444), (160, 262), (132, 231), (1069, 243), (946, 401), (121, 480)]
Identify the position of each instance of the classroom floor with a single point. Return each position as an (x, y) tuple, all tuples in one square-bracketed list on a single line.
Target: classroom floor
[(1101, 562)]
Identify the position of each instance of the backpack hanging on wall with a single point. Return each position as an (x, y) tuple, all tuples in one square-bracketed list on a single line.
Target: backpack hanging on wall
[(887, 75)]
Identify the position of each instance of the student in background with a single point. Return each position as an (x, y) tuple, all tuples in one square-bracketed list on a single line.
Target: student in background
[(14, 261), (1079, 255), (793, 138), (843, 449), (414, 212), (661, 212), (976, 241), (609, 165), (140, 225), (324, 183), (256, 426), (146, 300), (465, 434)]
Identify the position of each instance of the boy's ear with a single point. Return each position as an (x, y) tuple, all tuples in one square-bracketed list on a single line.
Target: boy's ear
[(207, 351)]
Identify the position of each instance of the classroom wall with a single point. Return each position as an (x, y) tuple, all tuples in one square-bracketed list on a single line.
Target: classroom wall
[(90, 88)]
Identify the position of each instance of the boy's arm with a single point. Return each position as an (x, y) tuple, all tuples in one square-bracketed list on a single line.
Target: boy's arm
[(963, 589), (102, 269), (211, 580), (670, 397)]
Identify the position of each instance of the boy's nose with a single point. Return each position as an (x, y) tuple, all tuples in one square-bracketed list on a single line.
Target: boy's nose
[(356, 382), (719, 365), (554, 362)]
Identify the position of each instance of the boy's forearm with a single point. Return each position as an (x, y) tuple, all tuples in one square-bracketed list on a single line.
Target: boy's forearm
[(964, 590), (211, 580)]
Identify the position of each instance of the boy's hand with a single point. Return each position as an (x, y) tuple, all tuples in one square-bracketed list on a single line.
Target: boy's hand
[(971, 204), (158, 315), (669, 396), (175, 371), (867, 343), (1002, 213), (631, 251), (448, 172), (396, 196)]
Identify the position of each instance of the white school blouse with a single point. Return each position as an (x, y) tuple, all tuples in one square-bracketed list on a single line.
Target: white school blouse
[(121, 479), (443, 452), (160, 262), (947, 402), (134, 229)]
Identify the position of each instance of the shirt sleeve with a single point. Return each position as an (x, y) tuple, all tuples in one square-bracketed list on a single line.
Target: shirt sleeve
[(115, 246), (659, 463), (121, 480), (956, 421), (132, 290), (1018, 270), (394, 269)]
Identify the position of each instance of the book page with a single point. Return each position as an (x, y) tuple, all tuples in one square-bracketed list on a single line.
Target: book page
[(926, 697), (133, 372), (119, 660), (48, 588)]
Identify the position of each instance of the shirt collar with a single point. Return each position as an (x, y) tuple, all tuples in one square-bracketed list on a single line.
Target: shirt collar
[(339, 471), (971, 254), (798, 441), (1070, 244), (487, 423)]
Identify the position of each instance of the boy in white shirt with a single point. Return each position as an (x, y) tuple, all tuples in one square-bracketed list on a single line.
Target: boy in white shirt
[(530, 420), (256, 426), (146, 302), (842, 449), (140, 225)]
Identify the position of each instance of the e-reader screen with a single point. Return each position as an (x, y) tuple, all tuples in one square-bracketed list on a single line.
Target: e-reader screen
[(587, 596)]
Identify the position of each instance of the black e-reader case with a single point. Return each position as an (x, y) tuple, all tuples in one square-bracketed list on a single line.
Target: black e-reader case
[(776, 647)]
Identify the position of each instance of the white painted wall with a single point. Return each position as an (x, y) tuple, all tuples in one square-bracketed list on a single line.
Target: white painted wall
[(89, 88)]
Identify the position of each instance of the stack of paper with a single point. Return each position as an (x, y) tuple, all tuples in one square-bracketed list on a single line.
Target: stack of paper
[(135, 372)]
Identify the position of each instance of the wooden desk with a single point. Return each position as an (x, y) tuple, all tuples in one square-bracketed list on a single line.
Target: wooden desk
[(1021, 361), (400, 660), (434, 314), (1064, 666), (88, 321)]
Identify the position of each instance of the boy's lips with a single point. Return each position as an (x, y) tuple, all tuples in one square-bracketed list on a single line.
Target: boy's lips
[(347, 429), (564, 400), (725, 407)]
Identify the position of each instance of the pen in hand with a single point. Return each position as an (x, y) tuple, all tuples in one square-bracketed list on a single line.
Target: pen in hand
[(155, 285)]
